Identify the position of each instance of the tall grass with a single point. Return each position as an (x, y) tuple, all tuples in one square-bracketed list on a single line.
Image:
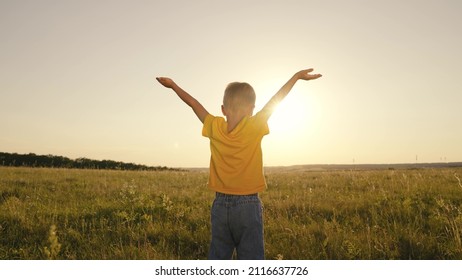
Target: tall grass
[(411, 214), (94, 214)]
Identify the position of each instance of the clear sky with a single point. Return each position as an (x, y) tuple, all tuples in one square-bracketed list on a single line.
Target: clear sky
[(77, 78)]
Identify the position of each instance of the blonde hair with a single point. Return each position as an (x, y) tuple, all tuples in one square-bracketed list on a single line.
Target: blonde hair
[(238, 96)]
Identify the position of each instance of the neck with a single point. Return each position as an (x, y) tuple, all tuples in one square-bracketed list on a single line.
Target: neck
[(233, 121)]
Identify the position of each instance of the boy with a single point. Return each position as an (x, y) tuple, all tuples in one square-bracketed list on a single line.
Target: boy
[(236, 167)]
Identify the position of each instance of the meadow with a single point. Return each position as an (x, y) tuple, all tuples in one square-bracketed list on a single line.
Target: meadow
[(345, 214)]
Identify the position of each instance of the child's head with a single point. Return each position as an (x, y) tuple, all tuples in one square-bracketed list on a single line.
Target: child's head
[(239, 98)]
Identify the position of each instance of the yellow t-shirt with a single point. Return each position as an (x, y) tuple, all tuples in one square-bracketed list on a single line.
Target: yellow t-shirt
[(236, 164)]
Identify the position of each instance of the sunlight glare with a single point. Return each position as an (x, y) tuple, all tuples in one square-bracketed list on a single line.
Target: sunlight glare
[(292, 117)]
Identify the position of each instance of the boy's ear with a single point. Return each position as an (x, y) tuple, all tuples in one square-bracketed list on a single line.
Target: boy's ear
[(252, 109), (223, 110)]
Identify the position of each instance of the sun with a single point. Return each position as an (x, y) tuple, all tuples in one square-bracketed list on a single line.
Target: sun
[(292, 116), (293, 125), (292, 128)]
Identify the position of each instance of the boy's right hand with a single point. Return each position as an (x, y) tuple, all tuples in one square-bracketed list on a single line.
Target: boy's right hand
[(198, 109), (166, 82)]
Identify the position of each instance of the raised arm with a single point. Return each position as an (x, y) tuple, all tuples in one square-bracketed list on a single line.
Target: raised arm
[(198, 109), (282, 93)]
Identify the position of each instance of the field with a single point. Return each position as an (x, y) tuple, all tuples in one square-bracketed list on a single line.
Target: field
[(343, 214)]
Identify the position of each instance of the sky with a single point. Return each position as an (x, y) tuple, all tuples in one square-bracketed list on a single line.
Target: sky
[(77, 78)]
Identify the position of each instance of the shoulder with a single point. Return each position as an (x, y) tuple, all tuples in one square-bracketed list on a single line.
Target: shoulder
[(260, 121), (211, 122), (261, 116), (213, 119)]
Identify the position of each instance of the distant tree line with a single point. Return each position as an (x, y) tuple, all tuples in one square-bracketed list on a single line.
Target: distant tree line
[(33, 160)]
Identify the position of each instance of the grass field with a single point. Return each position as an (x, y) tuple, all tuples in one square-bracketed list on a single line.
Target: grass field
[(98, 214)]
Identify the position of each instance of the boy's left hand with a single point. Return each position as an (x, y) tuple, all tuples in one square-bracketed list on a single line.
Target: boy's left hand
[(166, 82), (305, 75)]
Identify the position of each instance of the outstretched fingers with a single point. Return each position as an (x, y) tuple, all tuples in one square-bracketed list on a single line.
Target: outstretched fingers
[(305, 74), (315, 76), (166, 82)]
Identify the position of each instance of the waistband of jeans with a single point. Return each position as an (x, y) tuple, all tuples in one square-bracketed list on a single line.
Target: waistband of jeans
[(219, 194)]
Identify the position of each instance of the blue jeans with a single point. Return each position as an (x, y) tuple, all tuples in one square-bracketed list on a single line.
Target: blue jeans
[(237, 223)]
